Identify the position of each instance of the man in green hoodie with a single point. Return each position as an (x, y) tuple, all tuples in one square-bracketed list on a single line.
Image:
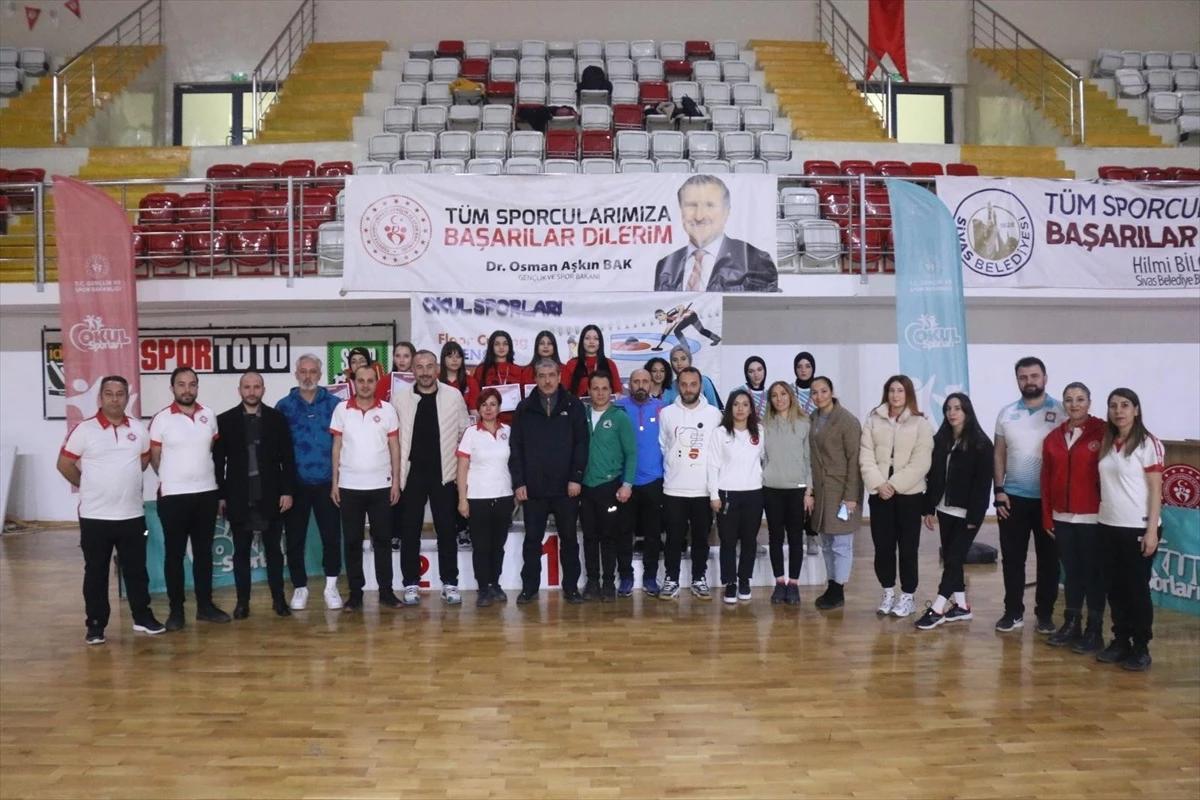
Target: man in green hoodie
[(607, 482)]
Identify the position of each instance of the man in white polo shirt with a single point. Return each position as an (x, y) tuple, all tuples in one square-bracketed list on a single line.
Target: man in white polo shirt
[(366, 482), (181, 438), (1017, 463), (105, 456)]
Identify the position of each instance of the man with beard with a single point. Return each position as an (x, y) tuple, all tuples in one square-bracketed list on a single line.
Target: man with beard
[(181, 440), (1020, 429), (308, 409), (256, 470), (644, 509)]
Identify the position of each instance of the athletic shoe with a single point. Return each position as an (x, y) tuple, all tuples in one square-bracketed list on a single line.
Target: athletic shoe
[(650, 586), (779, 594), (761, 550), (572, 596), (608, 593), (95, 635), (591, 590), (450, 595), (299, 598), (1045, 626), (1092, 642), (211, 613), (146, 623), (743, 589), (1009, 623), (389, 600), (669, 591), (814, 549), (886, 602), (904, 606), (700, 589), (625, 587), (525, 598), (175, 619), (395, 544), (1116, 653), (834, 597), (1139, 660), (792, 597), (464, 540), (730, 593), (412, 595), (497, 593), (280, 608), (930, 619), (485, 598), (354, 603), (958, 614), (333, 598)]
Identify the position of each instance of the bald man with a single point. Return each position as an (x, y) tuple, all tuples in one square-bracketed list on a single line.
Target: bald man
[(644, 509)]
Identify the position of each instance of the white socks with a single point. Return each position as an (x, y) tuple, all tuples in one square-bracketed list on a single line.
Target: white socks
[(330, 583), (960, 600), (939, 605)]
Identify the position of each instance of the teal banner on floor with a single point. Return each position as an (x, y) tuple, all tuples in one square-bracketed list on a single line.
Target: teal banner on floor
[(1175, 583), (222, 554)]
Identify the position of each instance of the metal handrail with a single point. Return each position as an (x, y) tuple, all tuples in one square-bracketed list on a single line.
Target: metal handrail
[(1056, 84), (849, 48), (142, 26), (300, 31)]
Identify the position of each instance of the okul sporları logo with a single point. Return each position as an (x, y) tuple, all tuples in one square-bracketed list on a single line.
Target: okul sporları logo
[(995, 231), (926, 334), (395, 230), (91, 334)]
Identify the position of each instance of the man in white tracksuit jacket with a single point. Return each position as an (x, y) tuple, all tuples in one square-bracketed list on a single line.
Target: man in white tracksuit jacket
[(685, 430)]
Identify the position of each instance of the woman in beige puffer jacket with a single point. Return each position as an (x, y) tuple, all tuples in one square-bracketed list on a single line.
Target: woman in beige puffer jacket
[(894, 456)]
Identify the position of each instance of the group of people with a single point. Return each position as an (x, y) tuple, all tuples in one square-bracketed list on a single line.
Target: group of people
[(667, 457)]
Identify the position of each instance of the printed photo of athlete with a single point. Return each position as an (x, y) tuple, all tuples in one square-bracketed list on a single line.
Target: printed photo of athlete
[(676, 320)]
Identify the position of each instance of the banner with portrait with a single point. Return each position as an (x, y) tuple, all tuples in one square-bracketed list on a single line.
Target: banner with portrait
[(1031, 233), (636, 327), (528, 234)]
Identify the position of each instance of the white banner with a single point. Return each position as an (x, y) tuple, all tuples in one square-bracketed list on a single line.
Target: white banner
[(636, 327), (558, 233), (1030, 233)]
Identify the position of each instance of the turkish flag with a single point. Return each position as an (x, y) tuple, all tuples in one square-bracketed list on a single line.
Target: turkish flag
[(31, 15), (885, 34), (73, 7)]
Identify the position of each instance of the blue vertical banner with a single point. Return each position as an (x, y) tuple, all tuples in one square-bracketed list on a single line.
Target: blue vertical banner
[(931, 320)]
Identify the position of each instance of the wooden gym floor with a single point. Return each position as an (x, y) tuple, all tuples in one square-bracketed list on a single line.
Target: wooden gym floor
[(644, 699)]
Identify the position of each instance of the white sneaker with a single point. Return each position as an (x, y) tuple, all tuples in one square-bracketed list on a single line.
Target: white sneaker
[(700, 589), (299, 598), (904, 606), (333, 598), (412, 595), (886, 603), (451, 596)]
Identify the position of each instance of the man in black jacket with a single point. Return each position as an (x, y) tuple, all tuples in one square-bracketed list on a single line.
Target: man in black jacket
[(256, 473), (548, 454)]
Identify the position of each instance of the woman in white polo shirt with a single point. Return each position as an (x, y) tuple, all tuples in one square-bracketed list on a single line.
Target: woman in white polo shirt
[(735, 489), (485, 494), (1131, 464)]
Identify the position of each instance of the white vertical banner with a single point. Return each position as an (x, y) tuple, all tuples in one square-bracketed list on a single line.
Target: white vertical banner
[(525, 234), (636, 327)]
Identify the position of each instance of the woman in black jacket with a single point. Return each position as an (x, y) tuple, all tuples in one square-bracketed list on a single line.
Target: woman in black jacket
[(958, 488)]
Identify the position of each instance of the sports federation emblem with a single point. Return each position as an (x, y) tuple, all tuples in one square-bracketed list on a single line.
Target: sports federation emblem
[(204, 419), (377, 418), (396, 230), (131, 437), (96, 266), (1181, 486)]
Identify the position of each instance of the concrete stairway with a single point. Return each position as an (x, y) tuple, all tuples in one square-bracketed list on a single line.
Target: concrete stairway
[(1015, 162), (816, 93)]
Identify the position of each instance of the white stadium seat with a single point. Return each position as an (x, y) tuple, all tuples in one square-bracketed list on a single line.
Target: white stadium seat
[(523, 165), (598, 166), (636, 165), (491, 144), (485, 166), (774, 146), (420, 146), (384, 147), (560, 166)]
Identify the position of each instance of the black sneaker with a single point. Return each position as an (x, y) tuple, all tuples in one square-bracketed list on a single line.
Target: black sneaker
[(1068, 634), (930, 619), (779, 594), (389, 600), (280, 607), (526, 597), (354, 602), (1117, 652), (146, 623), (95, 635), (1092, 642), (210, 613), (743, 589), (792, 596), (608, 593), (591, 590), (484, 600), (498, 594), (1138, 660), (241, 611), (463, 540), (958, 614), (1045, 626), (572, 596), (834, 597), (1009, 623), (175, 619), (730, 593)]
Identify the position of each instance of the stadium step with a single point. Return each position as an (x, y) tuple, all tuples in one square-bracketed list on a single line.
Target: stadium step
[(816, 93), (1015, 162), (26, 121), (1106, 124), (323, 93)]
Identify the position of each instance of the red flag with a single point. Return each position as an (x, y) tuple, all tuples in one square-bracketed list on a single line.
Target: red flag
[(885, 34), (97, 296), (31, 15), (73, 7)]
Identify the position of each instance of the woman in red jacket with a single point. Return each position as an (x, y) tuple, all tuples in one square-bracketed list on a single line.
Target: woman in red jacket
[(454, 373), (591, 359), (545, 345), (498, 367), (1070, 504)]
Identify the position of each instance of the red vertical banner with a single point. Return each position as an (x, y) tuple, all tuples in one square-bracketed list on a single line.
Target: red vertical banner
[(31, 16), (97, 296), (73, 7), (885, 34)]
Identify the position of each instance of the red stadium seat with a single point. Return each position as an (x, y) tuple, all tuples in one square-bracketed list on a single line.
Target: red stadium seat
[(319, 204), (450, 48), (681, 70), (335, 169), (878, 207), (272, 206), (501, 91), (264, 170), (225, 172), (1118, 174), (475, 69), (597, 144), (1187, 174), (297, 168), (195, 207), (926, 169), (250, 244), (208, 250), (158, 208), (166, 251), (650, 92), (852, 238), (894, 169), (306, 248), (22, 199), (698, 50), (962, 170), (836, 202), (1149, 174), (235, 207), (562, 144), (628, 117), (1103, 172), (140, 268), (820, 168)]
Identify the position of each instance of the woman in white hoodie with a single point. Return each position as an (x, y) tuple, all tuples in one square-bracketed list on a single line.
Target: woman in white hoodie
[(895, 456), (735, 490)]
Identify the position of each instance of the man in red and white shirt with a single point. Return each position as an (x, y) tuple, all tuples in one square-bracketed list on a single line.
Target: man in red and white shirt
[(181, 439), (366, 482), (105, 456)]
